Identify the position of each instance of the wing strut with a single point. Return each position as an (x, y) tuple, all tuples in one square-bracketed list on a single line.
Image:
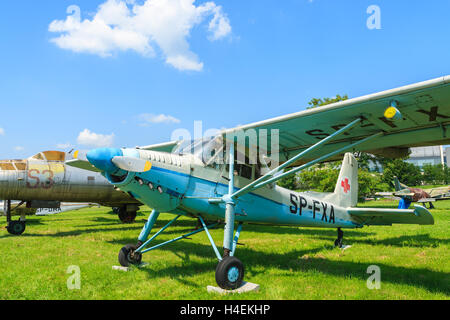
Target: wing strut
[(311, 163), (269, 177)]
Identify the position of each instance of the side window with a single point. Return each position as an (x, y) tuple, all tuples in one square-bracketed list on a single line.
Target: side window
[(246, 172), (243, 170), (258, 172)]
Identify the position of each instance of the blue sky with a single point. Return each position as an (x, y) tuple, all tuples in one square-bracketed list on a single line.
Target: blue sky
[(273, 59)]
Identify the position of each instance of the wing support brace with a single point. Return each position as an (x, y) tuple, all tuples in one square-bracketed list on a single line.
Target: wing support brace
[(270, 176), (142, 248), (230, 198)]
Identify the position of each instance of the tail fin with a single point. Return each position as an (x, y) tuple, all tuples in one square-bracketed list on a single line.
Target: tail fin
[(397, 184), (346, 192)]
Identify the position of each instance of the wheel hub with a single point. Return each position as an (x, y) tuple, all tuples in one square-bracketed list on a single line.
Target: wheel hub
[(233, 274)]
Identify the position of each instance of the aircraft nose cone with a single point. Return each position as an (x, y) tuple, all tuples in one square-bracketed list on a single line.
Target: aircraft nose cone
[(101, 158)]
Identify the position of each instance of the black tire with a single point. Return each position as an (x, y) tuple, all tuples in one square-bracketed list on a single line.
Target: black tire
[(230, 273), (16, 227), (127, 256), (338, 243), (127, 216)]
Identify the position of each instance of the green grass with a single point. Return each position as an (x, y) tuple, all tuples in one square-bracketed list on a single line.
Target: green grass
[(288, 263)]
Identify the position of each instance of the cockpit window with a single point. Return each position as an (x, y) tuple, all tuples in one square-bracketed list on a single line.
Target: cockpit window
[(38, 157), (6, 166), (54, 155), (50, 156)]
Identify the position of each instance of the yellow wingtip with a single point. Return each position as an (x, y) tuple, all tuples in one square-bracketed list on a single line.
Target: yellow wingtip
[(75, 154)]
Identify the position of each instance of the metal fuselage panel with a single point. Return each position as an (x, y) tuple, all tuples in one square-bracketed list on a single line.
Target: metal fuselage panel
[(184, 186), (54, 181)]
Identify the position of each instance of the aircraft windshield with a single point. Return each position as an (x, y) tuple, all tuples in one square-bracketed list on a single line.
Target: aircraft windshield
[(50, 156), (205, 149)]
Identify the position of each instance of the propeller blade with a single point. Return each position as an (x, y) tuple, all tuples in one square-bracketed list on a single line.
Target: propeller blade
[(132, 164)]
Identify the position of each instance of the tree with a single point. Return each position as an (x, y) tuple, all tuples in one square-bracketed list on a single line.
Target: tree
[(370, 183), (289, 182), (319, 178), (406, 172), (434, 174), (314, 103)]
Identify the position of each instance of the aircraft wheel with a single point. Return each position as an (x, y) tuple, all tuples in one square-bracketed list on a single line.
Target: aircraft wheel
[(128, 255), (127, 216), (230, 273), (16, 227), (338, 243)]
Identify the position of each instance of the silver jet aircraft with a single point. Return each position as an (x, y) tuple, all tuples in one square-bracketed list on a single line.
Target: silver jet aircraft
[(43, 181)]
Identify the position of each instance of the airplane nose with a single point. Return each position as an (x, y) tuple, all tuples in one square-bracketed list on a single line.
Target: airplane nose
[(101, 158)]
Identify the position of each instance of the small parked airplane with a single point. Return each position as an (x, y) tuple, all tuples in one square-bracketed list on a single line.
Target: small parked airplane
[(195, 181), (408, 195)]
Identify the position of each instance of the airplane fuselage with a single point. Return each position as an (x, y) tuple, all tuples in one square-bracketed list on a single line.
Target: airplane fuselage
[(44, 180), (182, 184)]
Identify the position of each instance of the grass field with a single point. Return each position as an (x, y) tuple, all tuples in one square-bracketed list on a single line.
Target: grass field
[(288, 263)]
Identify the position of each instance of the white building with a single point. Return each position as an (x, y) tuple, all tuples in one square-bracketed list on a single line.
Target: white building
[(430, 155)]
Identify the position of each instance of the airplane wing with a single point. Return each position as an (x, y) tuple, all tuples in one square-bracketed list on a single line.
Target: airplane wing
[(80, 164), (424, 107), (440, 199), (440, 192), (387, 217), (65, 207), (162, 147), (426, 200)]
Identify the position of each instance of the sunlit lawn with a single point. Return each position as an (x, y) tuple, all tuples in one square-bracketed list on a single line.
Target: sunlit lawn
[(288, 263)]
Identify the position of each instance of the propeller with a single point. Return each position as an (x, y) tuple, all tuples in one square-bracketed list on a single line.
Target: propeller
[(132, 164)]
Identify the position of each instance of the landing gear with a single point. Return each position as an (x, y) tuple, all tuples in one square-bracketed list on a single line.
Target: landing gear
[(128, 255), (230, 273), (431, 205), (125, 216), (15, 228), (338, 243)]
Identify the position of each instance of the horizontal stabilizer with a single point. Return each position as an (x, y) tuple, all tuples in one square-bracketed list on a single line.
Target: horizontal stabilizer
[(404, 194), (384, 194), (387, 217)]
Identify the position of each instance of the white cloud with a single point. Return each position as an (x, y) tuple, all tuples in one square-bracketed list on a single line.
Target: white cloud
[(92, 139), (161, 118), (2, 132), (64, 145), (19, 148), (121, 25)]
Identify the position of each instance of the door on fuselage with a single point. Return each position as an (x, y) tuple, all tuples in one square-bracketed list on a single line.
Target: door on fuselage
[(244, 174)]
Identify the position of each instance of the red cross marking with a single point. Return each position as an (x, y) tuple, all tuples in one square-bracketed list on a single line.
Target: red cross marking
[(345, 185)]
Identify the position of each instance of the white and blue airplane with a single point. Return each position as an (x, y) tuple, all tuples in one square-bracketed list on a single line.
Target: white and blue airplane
[(199, 184)]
